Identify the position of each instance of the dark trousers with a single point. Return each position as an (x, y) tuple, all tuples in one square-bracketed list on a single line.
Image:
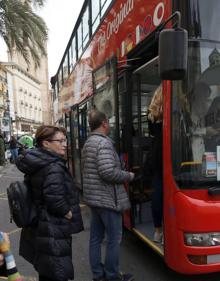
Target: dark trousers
[(42, 278), (157, 202)]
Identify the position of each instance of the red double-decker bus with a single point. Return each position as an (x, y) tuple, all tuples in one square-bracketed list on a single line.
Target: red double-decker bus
[(111, 62)]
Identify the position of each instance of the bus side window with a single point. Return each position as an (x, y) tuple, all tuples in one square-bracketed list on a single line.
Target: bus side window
[(142, 158), (147, 168)]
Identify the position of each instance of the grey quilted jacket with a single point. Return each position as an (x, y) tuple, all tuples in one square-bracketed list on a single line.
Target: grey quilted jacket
[(103, 177)]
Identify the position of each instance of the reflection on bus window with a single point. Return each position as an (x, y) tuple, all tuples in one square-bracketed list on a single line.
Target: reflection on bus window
[(104, 6), (104, 99), (140, 125), (95, 15), (196, 118), (85, 25), (65, 68)]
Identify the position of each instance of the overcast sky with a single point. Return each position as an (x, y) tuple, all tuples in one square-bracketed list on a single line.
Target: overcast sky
[(60, 17)]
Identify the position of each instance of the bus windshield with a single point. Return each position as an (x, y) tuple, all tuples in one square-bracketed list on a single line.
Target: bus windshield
[(195, 119)]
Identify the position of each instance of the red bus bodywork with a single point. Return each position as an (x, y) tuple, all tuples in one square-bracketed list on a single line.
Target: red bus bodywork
[(137, 20), (125, 25)]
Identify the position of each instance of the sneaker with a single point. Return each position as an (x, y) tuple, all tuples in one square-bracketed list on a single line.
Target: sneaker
[(123, 277), (158, 237)]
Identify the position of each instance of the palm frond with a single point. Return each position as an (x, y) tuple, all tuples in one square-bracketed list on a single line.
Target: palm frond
[(36, 3), (23, 30)]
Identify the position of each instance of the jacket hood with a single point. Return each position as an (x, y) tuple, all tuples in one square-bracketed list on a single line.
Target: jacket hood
[(35, 159)]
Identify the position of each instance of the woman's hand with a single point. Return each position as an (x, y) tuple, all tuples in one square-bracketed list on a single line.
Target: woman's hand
[(5, 244), (6, 238), (69, 215), (2, 260)]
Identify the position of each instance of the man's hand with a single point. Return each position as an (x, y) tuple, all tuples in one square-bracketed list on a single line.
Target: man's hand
[(131, 176), (69, 215)]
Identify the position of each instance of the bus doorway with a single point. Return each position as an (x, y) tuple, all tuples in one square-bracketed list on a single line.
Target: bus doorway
[(70, 156), (146, 200), (74, 123)]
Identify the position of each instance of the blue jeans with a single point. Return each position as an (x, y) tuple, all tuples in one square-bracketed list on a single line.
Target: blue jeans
[(109, 222), (14, 153)]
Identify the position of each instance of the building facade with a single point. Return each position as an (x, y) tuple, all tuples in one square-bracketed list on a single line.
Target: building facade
[(25, 96), (40, 74)]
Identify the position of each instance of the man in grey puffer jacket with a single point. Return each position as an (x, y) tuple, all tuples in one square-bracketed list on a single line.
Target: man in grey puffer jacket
[(104, 192)]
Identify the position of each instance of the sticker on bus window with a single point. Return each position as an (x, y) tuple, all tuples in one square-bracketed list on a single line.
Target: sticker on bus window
[(209, 164)]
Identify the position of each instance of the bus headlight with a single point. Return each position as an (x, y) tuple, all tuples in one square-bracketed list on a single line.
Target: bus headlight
[(202, 239)]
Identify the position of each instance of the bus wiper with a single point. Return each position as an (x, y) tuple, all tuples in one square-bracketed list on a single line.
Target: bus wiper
[(214, 190)]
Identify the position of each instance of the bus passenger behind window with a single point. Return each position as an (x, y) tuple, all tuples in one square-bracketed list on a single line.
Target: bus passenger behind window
[(155, 118), (200, 105)]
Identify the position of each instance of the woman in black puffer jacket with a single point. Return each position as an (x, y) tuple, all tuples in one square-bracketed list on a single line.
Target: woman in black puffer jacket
[(48, 243)]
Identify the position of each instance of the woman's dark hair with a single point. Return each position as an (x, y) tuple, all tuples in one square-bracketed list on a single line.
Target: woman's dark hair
[(95, 119), (47, 132)]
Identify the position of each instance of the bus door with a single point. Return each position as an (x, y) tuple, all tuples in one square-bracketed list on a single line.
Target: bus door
[(146, 82), (69, 141), (74, 123), (83, 122), (125, 128)]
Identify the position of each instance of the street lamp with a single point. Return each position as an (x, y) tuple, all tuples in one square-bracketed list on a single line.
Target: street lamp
[(6, 119), (16, 122), (8, 115)]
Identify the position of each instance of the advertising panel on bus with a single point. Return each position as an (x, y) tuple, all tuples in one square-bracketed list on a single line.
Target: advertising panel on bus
[(126, 24)]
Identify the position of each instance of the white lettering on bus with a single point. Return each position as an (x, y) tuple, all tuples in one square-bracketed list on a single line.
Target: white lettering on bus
[(158, 18), (114, 25)]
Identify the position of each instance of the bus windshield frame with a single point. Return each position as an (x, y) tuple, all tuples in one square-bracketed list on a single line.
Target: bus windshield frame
[(195, 119)]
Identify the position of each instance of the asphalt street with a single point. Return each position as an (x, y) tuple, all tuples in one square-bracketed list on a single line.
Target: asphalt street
[(136, 257)]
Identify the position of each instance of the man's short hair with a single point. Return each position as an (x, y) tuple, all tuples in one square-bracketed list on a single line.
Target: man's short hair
[(96, 118)]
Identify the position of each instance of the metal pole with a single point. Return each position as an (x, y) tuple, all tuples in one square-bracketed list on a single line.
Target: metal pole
[(17, 125)]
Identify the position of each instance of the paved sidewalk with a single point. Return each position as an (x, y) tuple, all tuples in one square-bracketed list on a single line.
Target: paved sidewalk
[(134, 259), (8, 174)]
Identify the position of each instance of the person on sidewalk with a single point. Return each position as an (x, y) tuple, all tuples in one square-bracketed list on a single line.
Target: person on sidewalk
[(2, 259), (48, 244), (2, 149), (13, 146), (104, 193), (7, 262)]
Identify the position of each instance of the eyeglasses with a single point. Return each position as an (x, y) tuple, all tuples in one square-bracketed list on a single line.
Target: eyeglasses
[(61, 141), (106, 121)]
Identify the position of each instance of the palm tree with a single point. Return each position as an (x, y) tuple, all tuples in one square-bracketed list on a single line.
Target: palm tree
[(36, 2), (22, 29)]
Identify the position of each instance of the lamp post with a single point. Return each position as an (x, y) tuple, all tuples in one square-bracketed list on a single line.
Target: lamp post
[(8, 115), (16, 122)]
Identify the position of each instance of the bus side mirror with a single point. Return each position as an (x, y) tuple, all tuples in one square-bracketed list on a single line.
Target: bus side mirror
[(173, 53)]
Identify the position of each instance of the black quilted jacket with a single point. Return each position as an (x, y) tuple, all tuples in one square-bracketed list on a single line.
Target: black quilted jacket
[(48, 244)]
